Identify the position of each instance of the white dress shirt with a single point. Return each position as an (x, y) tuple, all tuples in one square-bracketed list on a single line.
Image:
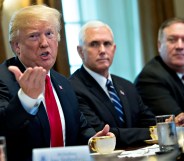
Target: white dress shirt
[(101, 80)]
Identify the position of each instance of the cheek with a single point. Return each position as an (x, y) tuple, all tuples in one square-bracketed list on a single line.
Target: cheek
[(87, 55), (164, 49), (111, 55), (86, 58), (55, 47), (170, 50), (29, 46)]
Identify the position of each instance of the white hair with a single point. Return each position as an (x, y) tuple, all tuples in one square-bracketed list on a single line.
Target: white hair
[(92, 24)]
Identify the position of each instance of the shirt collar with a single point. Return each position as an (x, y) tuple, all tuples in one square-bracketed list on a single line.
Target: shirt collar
[(99, 78), (180, 75)]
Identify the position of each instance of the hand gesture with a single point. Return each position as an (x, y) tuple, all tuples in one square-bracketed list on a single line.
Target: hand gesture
[(32, 81)]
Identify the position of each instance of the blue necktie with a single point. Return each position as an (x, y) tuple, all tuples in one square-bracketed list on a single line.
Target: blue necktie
[(115, 100), (182, 78)]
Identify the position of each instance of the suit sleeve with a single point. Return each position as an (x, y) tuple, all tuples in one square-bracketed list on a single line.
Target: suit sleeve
[(11, 109)]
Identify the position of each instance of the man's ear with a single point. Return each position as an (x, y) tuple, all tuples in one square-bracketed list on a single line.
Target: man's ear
[(15, 47), (80, 52), (114, 47), (159, 46)]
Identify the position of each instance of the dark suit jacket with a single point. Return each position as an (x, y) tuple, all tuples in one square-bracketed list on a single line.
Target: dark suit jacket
[(160, 88), (99, 110), (23, 131)]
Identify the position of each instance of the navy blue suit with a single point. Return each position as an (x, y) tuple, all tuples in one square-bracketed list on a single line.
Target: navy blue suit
[(160, 88), (24, 131), (99, 110)]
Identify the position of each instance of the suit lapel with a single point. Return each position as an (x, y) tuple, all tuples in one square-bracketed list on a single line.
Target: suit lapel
[(99, 93), (173, 79), (59, 88)]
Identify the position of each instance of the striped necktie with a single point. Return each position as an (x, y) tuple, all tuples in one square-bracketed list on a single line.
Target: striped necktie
[(115, 100), (182, 78)]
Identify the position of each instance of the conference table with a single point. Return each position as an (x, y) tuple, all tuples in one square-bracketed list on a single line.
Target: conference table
[(114, 157), (175, 155)]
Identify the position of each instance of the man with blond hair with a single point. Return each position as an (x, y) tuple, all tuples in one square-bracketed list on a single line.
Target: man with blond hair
[(38, 107)]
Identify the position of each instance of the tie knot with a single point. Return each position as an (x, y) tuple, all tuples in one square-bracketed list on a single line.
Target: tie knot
[(182, 77), (47, 79), (108, 83)]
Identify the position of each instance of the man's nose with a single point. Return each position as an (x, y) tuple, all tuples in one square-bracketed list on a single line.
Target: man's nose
[(180, 44), (43, 41), (102, 48)]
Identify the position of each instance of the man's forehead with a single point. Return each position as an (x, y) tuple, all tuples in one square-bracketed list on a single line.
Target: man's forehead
[(176, 27), (98, 30), (37, 26), (98, 36)]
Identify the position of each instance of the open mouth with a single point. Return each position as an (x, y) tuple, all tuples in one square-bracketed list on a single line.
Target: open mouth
[(45, 54)]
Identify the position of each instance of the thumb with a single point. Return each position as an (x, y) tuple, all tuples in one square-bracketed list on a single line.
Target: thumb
[(103, 132), (15, 70)]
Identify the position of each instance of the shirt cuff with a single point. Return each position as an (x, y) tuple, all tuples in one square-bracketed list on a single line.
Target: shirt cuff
[(29, 104)]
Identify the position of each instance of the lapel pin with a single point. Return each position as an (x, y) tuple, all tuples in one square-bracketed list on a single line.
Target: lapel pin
[(122, 92), (60, 87)]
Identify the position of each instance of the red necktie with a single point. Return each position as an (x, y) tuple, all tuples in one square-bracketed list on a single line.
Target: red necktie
[(53, 115)]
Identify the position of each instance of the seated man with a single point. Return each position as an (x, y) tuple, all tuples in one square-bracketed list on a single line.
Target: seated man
[(116, 104), (160, 83), (27, 118)]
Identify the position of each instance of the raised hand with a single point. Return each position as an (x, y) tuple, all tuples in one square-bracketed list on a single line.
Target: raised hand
[(32, 81)]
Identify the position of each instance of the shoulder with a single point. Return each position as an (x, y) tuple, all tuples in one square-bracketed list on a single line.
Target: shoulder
[(7, 79), (154, 65), (6, 75), (124, 84), (57, 77), (79, 74), (4, 66), (81, 77), (155, 68), (76, 75), (62, 82), (120, 80)]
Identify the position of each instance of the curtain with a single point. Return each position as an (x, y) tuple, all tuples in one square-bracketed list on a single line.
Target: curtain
[(2, 46), (152, 14)]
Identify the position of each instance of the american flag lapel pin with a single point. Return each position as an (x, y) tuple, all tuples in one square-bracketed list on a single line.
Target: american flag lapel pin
[(60, 87), (122, 92)]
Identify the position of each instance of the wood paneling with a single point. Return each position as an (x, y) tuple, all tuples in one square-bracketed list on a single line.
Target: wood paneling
[(152, 14)]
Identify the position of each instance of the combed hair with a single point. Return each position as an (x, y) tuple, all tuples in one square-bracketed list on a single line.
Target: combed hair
[(168, 23), (24, 17), (91, 24)]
